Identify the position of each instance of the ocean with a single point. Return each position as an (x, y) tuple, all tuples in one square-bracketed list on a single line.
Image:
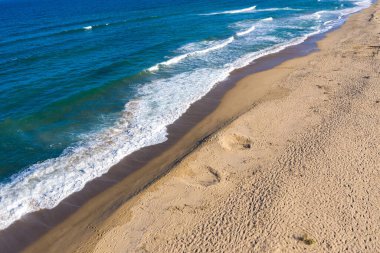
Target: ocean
[(85, 83)]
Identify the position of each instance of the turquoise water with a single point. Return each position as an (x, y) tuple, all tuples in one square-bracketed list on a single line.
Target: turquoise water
[(85, 83)]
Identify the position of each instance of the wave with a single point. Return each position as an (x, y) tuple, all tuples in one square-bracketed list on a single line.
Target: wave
[(245, 32), (70, 30), (90, 27), (50, 34), (179, 58), (336, 15), (252, 28), (331, 22), (245, 10), (267, 19), (278, 9), (251, 9), (30, 33), (363, 3)]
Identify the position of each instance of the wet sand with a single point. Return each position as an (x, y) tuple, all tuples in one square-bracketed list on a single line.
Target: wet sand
[(286, 158)]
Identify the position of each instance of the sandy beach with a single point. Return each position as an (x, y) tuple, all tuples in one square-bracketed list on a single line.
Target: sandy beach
[(289, 161)]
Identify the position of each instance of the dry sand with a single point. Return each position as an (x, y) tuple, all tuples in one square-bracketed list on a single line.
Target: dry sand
[(298, 172)]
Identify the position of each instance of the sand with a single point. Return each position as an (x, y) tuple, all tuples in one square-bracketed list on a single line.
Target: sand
[(298, 171)]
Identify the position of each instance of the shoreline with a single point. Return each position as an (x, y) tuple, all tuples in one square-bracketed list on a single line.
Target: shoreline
[(134, 175), (42, 221), (298, 172)]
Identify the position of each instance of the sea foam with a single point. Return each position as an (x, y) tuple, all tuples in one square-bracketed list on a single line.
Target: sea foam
[(278, 9), (245, 10), (245, 32), (251, 10), (179, 58)]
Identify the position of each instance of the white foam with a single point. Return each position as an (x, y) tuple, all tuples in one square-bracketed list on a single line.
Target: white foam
[(87, 27), (179, 58), (337, 14), (344, 12), (245, 32), (268, 19), (363, 3), (278, 9), (251, 10), (253, 27), (245, 10)]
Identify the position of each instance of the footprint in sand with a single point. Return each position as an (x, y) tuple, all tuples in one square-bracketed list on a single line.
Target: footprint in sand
[(235, 142), (204, 176)]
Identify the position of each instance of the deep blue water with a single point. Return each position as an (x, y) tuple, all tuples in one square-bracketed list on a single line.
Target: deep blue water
[(84, 83)]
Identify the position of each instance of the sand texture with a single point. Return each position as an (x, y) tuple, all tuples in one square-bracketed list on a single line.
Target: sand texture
[(298, 172)]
